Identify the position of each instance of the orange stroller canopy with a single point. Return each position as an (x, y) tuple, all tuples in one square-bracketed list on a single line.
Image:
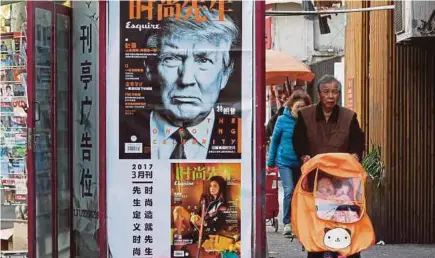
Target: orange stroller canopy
[(329, 208)]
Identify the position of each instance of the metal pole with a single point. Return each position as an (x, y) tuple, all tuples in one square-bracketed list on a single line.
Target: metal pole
[(260, 114), (336, 11), (104, 250)]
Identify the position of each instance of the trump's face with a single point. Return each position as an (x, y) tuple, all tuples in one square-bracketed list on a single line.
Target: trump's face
[(191, 74)]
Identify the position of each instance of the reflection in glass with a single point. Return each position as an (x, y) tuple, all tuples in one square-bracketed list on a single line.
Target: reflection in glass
[(62, 135), (43, 138)]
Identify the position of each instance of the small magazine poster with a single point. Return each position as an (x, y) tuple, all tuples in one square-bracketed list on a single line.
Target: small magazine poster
[(205, 207), (19, 103), (6, 121), (18, 122), (6, 107), (6, 91), (19, 90)]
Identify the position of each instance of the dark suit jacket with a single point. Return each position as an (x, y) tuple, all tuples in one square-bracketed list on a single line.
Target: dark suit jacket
[(226, 129)]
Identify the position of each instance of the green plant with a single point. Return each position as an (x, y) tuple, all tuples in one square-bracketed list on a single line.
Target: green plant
[(373, 164)]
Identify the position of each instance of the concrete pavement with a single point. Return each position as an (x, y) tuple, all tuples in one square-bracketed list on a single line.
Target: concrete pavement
[(281, 247)]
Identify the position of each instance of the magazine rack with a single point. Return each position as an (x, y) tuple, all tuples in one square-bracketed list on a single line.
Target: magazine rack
[(35, 138)]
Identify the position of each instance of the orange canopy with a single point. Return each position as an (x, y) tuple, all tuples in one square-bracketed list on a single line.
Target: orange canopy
[(280, 65), (319, 234), (337, 164)]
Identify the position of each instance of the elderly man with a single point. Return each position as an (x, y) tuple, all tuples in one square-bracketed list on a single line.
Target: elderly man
[(193, 65), (326, 127)]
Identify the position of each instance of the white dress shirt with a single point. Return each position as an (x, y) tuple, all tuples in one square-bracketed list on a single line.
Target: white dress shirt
[(162, 145)]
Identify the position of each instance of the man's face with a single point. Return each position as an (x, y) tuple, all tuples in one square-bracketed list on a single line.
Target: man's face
[(191, 74), (329, 94)]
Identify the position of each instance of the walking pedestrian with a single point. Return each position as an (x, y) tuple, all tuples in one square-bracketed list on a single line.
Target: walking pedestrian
[(326, 128), (282, 154)]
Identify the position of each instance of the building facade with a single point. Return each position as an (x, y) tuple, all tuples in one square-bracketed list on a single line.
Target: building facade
[(392, 89)]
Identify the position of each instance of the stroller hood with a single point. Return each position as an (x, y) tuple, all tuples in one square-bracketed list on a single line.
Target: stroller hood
[(321, 223), (338, 164)]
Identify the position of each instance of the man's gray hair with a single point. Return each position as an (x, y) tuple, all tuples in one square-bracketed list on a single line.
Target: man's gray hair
[(211, 30), (327, 78)]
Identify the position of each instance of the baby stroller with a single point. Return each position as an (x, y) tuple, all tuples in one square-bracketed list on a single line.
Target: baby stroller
[(272, 204), (329, 208)]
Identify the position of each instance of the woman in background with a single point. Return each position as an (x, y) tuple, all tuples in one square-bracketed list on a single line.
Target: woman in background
[(282, 154)]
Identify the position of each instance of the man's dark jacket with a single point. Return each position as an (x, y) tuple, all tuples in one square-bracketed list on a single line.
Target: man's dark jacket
[(313, 135)]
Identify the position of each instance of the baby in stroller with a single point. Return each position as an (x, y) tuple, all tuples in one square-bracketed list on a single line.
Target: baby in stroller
[(331, 198)]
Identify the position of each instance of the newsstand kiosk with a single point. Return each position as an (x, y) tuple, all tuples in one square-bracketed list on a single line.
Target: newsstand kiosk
[(49, 195), (55, 110)]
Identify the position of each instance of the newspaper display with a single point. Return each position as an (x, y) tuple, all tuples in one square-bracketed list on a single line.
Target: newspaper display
[(13, 126)]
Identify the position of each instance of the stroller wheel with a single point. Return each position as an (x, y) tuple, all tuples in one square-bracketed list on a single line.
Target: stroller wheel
[(275, 224)]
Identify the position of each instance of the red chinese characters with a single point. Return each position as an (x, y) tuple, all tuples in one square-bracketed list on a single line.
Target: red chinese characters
[(146, 9)]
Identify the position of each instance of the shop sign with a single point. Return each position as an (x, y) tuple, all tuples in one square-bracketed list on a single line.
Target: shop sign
[(85, 126)]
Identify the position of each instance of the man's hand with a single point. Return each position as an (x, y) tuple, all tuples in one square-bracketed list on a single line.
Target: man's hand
[(355, 156), (271, 168), (305, 159)]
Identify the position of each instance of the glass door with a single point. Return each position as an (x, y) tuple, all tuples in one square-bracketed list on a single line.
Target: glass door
[(63, 129), (49, 107), (43, 125)]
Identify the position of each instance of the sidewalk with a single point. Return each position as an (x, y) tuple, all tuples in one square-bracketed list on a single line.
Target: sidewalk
[(281, 247)]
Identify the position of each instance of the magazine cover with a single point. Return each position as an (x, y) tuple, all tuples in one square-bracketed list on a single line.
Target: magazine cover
[(17, 168), (7, 47), (205, 205), (20, 138), (5, 153), (8, 138), (6, 121), (18, 122), (4, 168), (19, 90), (16, 73), (180, 96), (6, 74), (6, 90), (6, 107), (18, 104), (19, 151)]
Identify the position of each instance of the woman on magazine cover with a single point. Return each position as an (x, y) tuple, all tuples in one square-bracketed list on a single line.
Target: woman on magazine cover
[(214, 202)]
